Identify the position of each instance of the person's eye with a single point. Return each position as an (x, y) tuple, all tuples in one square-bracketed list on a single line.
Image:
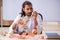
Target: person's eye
[(27, 9)]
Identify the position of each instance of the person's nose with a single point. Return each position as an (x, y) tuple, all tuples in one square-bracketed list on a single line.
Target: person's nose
[(30, 10)]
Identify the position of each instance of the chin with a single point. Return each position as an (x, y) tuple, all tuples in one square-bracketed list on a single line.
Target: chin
[(28, 15)]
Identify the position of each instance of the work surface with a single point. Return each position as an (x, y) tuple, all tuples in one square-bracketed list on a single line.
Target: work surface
[(36, 37)]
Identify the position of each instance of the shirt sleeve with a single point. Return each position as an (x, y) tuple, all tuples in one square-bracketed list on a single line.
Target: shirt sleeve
[(17, 18), (39, 26)]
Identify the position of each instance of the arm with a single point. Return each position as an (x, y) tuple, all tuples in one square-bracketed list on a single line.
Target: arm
[(37, 22), (34, 14), (13, 26), (40, 25)]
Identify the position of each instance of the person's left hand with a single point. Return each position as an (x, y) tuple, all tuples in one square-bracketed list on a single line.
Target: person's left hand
[(34, 14)]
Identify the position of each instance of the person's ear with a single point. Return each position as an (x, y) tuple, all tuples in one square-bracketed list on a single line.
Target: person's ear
[(23, 9)]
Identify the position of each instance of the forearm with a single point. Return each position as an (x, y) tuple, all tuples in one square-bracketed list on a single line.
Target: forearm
[(12, 27), (35, 22)]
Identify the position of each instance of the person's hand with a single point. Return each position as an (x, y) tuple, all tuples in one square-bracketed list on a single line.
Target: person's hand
[(34, 31), (34, 14), (20, 21), (26, 19)]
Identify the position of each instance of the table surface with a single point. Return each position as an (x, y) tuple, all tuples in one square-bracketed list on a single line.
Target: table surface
[(37, 37)]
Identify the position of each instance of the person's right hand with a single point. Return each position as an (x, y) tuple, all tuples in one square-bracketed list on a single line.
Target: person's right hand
[(25, 19), (20, 21)]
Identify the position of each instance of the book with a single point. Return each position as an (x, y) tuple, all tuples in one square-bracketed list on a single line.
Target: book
[(52, 35)]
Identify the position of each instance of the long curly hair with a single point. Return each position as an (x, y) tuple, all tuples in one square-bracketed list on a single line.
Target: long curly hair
[(23, 6)]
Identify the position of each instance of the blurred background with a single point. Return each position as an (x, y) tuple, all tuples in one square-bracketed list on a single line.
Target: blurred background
[(50, 10)]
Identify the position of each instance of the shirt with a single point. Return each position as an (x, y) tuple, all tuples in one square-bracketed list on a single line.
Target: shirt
[(39, 26)]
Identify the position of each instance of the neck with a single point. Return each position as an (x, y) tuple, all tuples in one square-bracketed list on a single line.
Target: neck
[(28, 16)]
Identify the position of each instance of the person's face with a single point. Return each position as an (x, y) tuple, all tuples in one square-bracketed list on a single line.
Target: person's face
[(28, 10)]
